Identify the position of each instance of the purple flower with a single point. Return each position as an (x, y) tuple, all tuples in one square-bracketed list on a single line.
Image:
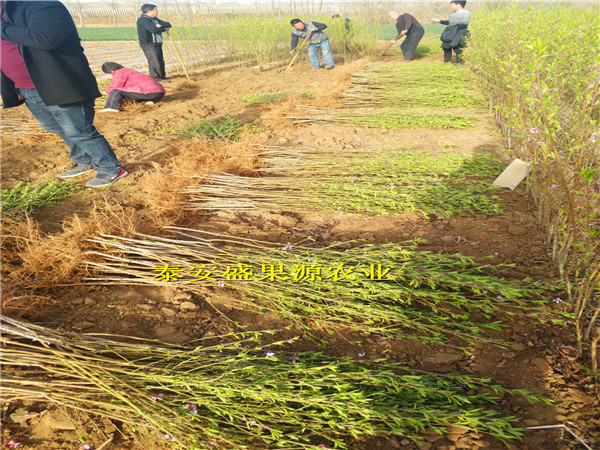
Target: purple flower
[(352, 180), (166, 437), (594, 138), (504, 402), (252, 423), (290, 341), (193, 408), (270, 355), (534, 131), (157, 397), (243, 282), (321, 446), (212, 442), (557, 300), (287, 247), (12, 444), (294, 358), (555, 186), (499, 297), (85, 447), (484, 292), (220, 283)]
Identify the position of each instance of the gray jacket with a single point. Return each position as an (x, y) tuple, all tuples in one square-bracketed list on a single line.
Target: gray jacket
[(315, 38), (458, 18)]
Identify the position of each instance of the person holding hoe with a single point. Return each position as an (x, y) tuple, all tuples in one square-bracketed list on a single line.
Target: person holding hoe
[(127, 83), (410, 27), (454, 36), (150, 29), (316, 39)]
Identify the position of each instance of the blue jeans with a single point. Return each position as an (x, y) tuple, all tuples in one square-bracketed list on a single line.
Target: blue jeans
[(325, 47), (74, 123)]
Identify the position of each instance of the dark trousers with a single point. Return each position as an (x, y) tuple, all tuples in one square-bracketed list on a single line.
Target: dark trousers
[(156, 62), (448, 54), (116, 95), (409, 46)]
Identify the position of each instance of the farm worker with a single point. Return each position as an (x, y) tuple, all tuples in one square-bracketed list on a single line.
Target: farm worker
[(453, 37), (43, 65), (150, 29), (409, 26), (318, 40), (127, 83), (347, 32)]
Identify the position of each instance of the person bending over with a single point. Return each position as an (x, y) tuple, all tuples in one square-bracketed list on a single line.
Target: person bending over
[(317, 40), (409, 26), (127, 83)]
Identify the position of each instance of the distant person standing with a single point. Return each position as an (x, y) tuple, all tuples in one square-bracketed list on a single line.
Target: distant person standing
[(409, 26), (43, 65), (150, 29), (317, 40), (454, 36)]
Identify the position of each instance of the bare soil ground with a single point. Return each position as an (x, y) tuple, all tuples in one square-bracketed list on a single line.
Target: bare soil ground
[(543, 361)]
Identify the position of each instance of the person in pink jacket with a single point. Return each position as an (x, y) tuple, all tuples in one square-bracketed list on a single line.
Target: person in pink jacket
[(127, 83)]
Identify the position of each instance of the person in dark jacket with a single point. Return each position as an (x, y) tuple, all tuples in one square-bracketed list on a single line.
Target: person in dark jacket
[(43, 64), (317, 40), (454, 36), (409, 26), (150, 29), (130, 84)]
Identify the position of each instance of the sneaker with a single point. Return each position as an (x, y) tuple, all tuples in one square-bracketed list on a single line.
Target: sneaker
[(108, 110), (106, 179), (75, 171)]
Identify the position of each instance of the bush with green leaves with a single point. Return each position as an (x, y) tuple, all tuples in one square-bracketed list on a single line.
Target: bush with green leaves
[(539, 67), (27, 199)]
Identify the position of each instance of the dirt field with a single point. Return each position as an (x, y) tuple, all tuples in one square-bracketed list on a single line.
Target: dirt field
[(543, 360)]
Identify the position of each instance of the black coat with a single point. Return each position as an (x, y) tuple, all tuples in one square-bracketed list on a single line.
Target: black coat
[(47, 38), (454, 36), (146, 28)]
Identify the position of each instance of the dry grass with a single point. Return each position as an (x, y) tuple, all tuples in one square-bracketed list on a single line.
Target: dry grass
[(329, 97), (42, 262), (192, 161)]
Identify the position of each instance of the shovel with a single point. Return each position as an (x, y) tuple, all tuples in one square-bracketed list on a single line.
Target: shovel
[(389, 46), (298, 52), (177, 53)]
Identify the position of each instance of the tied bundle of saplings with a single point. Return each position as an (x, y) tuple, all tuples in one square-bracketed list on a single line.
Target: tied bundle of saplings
[(425, 84), (389, 289), (387, 118), (242, 393), (371, 181)]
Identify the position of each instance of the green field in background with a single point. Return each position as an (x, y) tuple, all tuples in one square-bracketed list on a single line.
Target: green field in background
[(130, 33)]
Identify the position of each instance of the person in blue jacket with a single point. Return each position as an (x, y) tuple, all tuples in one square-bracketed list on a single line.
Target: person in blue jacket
[(43, 65)]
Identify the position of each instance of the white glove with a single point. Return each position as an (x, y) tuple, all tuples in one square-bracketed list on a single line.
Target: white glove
[(393, 41), (292, 52)]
